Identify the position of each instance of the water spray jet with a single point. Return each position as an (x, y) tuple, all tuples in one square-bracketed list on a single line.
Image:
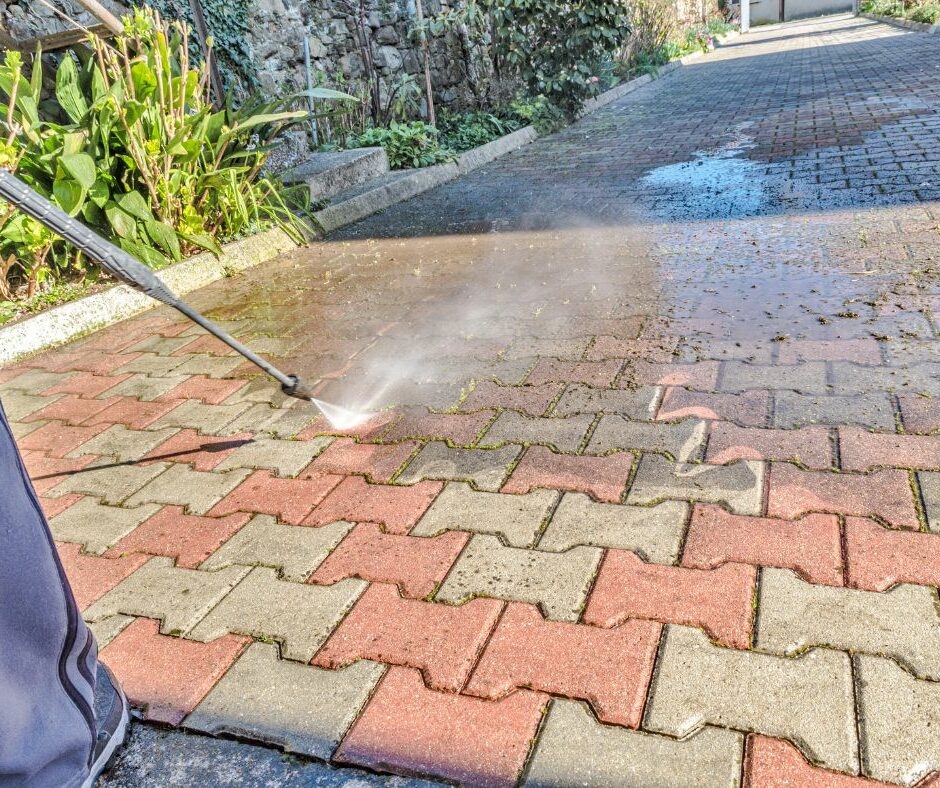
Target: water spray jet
[(135, 274)]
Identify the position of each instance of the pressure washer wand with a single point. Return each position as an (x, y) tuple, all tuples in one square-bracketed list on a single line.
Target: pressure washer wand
[(132, 272)]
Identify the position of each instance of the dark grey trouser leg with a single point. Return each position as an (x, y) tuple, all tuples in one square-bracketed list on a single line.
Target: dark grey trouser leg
[(47, 655)]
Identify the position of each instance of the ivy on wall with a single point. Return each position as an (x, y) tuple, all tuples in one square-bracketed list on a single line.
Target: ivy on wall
[(228, 24)]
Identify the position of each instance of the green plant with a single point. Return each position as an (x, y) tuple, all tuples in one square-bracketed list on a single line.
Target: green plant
[(413, 144), (555, 44), (652, 26), (928, 13), (462, 131), (131, 144), (539, 112)]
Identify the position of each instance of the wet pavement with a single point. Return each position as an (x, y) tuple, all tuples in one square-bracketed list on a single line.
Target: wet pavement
[(651, 490)]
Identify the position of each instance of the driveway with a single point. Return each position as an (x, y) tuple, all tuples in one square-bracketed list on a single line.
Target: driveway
[(650, 490)]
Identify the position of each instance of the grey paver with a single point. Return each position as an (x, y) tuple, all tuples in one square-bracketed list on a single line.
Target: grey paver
[(563, 434), (196, 415), (807, 378), (164, 346), (294, 550), (684, 440), (797, 410), (899, 721), (282, 422), (655, 533), (902, 623), (557, 582), (301, 617), (208, 365), (97, 527), (107, 629), (515, 518), (34, 381), (930, 489), (151, 364), (287, 458), (633, 403), (198, 491), (739, 485), (111, 481), (486, 469), (298, 707), (808, 699), (849, 378), (146, 387), (124, 444), (18, 404), (178, 597), (575, 749)]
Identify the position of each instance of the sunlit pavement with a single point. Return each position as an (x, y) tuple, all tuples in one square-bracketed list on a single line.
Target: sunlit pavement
[(651, 489)]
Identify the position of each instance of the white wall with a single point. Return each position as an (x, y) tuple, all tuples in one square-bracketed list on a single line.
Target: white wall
[(795, 9)]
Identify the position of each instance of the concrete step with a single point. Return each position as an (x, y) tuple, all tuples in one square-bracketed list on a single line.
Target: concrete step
[(329, 174)]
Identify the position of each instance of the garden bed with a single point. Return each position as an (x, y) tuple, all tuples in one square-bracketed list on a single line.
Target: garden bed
[(909, 24)]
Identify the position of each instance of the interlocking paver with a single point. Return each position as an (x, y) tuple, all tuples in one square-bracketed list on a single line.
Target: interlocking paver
[(58, 439), (290, 499), (532, 400), (485, 469), (557, 582), (898, 723), (195, 415), (861, 351), (173, 533), (47, 473), (810, 546), (749, 409), (442, 641), (178, 597), (416, 565), (457, 428), (301, 708), (68, 409), (590, 373), (293, 550), (85, 385), (807, 378), (90, 576), (398, 508), (683, 441), (887, 494), (875, 411), (920, 414), (701, 375), (739, 485), (636, 404), (300, 617), (133, 413), (112, 482), (95, 526), (655, 533), (209, 391), (146, 387), (378, 462), (562, 434), (861, 450), (123, 444), (168, 676), (849, 378), (36, 381), (610, 668), (202, 452), (515, 518), (604, 478), (808, 699), (573, 748), (902, 623), (878, 557), (198, 491), (407, 727), (930, 491), (286, 457), (811, 447), (718, 600), (19, 405)]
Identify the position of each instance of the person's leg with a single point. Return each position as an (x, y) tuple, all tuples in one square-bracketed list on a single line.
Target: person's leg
[(48, 656)]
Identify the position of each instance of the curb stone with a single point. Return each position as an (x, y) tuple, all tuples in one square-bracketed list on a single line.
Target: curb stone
[(909, 24)]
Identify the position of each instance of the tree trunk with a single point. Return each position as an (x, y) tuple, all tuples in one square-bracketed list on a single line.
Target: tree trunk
[(429, 90)]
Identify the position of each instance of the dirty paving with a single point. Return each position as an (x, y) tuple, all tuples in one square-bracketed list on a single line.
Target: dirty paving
[(651, 495)]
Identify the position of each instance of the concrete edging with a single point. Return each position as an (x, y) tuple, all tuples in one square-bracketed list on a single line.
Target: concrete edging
[(64, 323), (908, 24)]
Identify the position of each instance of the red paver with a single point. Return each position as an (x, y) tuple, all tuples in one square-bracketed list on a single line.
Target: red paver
[(647, 348), (53, 506), (887, 494), (458, 428), (603, 478), (211, 391), (702, 375), (187, 538), (920, 414), (810, 546), (379, 462), (72, 410), (809, 446), (203, 452), (592, 373), (87, 385), (443, 641), (95, 363), (861, 450), (749, 409), (408, 728), (531, 400), (370, 429), (417, 565), (46, 472), (397, 508), (879, 557), (57, 439), (205, 344), (91, 576), (717, 600), (289, 499), (775, 763), (133, 413), (168, 675), (861, 351), (611, 668)]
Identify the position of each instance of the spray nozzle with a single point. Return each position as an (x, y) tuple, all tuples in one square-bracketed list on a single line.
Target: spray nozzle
[(297, 388)]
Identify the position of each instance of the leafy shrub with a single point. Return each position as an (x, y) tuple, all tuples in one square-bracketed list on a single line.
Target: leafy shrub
[(652, 26), (719, 27), (413, 144), (131, 144), (463, 131), (555, 44), (538, 112), (928, 13), (883, 7)]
